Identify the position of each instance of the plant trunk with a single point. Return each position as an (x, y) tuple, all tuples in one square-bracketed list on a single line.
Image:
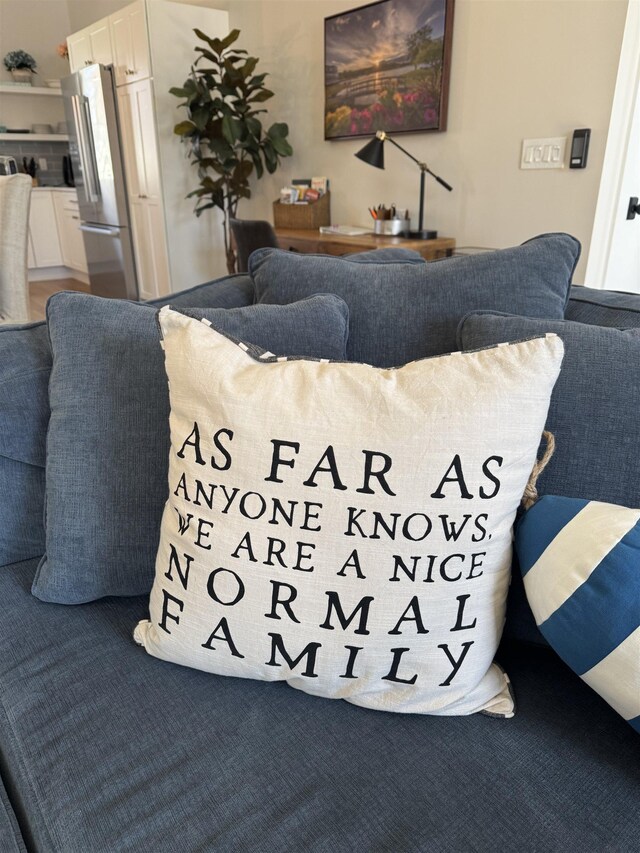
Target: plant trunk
[(229, 249)]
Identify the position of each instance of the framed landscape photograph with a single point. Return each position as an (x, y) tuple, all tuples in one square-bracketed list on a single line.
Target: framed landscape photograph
[(387, 68)]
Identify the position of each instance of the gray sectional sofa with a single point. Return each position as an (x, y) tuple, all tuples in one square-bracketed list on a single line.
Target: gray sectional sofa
[(104, 748)]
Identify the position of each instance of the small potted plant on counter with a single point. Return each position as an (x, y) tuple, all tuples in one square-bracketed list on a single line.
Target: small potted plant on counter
[(21, 65)]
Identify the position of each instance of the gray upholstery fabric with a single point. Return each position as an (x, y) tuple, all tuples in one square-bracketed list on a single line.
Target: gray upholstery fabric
[(108, 439), (400, 311), (604, 308), (25, 366), (593, 416), (112, 750), (11, 840)]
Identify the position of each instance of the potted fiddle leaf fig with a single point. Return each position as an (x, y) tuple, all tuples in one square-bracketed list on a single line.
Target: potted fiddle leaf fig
[(226, 140)]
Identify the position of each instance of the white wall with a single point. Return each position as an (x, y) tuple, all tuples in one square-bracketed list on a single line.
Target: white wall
[(520, 68), (37, 26)]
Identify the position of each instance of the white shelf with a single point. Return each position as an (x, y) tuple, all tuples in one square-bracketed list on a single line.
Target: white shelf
[(29, 90), (34, 137)]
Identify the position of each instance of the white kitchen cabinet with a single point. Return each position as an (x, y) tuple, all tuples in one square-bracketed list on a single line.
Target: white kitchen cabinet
[(130, 41), (147, 221), (43, 231), (90, 45), (154, 39), (69, 234), (142, 170)]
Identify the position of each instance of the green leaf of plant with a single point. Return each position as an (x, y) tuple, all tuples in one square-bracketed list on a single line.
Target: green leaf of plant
[(184, 128), (279, 130), (233, 35), (259, 97), (179, 93)]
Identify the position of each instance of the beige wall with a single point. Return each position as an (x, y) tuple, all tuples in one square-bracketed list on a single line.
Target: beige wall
[(37, 26), (520, 68)]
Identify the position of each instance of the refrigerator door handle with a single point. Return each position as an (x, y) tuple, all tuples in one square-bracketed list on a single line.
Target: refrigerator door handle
[(98, 229), (85, 148)]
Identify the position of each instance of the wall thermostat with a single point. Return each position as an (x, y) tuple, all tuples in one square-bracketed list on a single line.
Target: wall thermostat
[(579, 148)]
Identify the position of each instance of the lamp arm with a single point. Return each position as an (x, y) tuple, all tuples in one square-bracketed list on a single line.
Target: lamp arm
[(404, 150), (423, 166)]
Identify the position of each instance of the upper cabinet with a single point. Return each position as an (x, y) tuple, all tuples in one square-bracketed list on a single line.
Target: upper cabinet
[(90, 45), (120, 39), (131, 59)]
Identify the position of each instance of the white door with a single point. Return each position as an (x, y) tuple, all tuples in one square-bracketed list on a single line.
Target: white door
[(614, 255), (79, 46), (130, 44), (100, 37), (140, 150)]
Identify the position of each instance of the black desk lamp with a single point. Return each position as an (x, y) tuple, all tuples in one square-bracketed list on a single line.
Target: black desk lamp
[(373, 154)]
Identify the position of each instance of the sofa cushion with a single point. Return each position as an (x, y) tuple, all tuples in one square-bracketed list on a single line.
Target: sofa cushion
[(593, 416), (581, 566), (604, 307), (593, 411), (25, 364), (108, 438), (110, 749), (356, 541), (401, 312), (11, 840)]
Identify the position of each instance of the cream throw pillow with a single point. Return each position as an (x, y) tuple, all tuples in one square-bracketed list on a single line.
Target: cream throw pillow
[(342, 527)]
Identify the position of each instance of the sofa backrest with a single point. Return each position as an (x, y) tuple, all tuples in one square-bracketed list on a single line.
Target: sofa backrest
[(611, 308)]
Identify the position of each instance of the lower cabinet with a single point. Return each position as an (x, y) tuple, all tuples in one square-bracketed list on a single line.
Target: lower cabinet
[(55, 238), (44, 243), (71, 242)]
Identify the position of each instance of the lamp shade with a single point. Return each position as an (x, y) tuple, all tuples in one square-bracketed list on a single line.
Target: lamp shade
[(373, 153)]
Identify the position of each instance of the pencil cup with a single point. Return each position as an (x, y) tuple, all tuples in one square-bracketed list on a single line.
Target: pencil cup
[(392, 227)]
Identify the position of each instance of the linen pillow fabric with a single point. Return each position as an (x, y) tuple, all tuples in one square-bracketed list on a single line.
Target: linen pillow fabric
[(581, 566), (342, 527), (108, 442), (401, 312)]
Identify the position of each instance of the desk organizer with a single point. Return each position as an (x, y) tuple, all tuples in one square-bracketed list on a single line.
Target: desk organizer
[(311, 215)]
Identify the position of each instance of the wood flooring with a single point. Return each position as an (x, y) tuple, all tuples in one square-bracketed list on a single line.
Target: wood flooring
[(40, 291)]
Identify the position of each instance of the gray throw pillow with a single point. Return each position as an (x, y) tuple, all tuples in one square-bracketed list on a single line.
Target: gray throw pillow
[(25, 364), (108, 441), (593, 415), (400, 312)]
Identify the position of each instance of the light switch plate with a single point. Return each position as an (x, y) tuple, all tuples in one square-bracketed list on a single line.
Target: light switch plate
[(547, 153)]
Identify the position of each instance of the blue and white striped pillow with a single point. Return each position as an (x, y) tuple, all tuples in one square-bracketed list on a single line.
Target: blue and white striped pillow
[(581, 566)]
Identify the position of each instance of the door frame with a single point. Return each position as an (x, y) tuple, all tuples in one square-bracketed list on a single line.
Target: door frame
[(626, 101)]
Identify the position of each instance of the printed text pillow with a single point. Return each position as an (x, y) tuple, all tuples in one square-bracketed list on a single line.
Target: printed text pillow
[(343, 527)]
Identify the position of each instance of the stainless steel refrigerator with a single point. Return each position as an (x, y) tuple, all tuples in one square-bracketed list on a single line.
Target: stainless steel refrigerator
[(96, 154)]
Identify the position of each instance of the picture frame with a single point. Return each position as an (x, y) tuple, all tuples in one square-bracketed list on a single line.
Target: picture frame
[(387, 67)]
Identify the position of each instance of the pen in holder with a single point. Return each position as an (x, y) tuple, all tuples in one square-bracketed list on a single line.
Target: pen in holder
[(392, 227)]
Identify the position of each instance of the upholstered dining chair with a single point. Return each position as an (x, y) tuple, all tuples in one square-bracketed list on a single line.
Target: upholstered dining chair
[(249, 235), (15, 198)]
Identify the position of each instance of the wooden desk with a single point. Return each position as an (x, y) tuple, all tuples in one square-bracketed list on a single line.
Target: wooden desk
[(307, 240)]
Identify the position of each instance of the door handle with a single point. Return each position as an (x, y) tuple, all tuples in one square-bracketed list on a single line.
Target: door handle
[(104, 232), (634, 208)]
